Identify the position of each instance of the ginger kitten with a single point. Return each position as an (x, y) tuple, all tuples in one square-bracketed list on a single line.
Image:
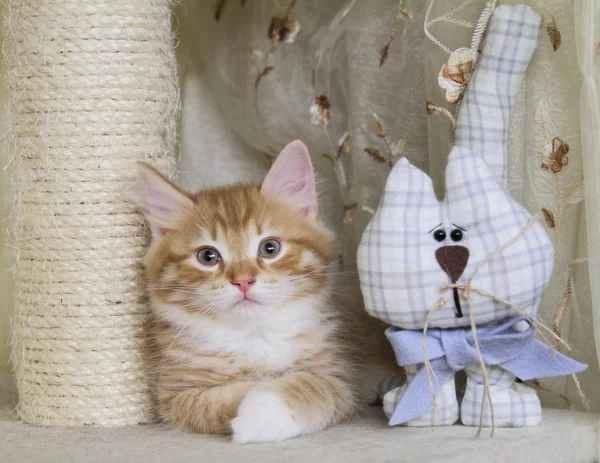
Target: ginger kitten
[(240, 279)]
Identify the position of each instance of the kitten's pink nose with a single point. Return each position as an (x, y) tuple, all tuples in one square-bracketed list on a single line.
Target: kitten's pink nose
[(243, 284)]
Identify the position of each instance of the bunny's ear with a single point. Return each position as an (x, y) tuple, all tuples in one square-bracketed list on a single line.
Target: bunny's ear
[(472, 190), (484, 115), (409, 181), (409, 192), (397, 246)]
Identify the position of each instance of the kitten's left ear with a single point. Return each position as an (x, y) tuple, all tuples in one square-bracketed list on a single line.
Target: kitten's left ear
[(292, 179), (162, 202)]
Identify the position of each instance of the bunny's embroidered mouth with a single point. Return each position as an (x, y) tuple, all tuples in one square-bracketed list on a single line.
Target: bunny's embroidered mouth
[(453, 260)]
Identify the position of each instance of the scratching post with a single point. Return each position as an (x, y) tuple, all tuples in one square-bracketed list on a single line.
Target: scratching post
[(91, 89)]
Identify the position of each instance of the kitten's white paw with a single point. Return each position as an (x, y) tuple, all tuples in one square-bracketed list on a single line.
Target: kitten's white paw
[(263, 417)]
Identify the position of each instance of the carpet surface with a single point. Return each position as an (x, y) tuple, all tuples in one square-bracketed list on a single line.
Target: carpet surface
[(563, 436)]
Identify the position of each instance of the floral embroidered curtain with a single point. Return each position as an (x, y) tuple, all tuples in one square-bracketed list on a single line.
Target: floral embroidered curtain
[(365, 82)]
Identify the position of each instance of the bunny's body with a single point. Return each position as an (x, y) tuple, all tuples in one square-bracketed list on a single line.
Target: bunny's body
[(471, 268)]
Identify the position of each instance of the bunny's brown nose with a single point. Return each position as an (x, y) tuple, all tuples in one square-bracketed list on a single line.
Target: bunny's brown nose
[(453, 260)]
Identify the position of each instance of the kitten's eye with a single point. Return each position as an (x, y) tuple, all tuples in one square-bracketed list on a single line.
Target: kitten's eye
[(456, 235), (269, 248), (208, 256), (439, 235)]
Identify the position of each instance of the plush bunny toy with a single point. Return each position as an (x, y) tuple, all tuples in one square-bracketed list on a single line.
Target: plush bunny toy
[(436, 270)]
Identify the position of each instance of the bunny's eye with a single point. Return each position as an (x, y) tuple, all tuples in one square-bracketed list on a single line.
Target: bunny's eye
[(439, 235), (456, 234)]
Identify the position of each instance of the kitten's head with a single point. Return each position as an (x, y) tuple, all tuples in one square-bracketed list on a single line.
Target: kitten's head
[(237, 253)]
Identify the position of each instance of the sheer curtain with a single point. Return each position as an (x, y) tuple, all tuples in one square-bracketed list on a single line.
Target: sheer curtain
[(358, 82), (5, 275)]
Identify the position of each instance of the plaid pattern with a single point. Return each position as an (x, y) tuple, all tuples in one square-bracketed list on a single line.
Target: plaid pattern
[(388, 384), (446, 400), (515, 404), (484, 116), (400, 277), (399, 274)]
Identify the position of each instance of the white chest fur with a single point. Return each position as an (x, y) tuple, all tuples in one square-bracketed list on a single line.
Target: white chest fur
[(274, 340)]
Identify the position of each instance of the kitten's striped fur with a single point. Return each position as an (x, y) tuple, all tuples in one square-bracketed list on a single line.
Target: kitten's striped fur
[(263, 370)]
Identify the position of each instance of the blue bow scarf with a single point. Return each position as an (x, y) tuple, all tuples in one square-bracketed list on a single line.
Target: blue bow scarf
[(452, 350)]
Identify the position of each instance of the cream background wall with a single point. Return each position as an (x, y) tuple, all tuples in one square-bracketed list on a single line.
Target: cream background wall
[(5, 292), (5, 287)]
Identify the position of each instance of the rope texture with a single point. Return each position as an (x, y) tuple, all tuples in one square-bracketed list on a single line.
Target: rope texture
[(91, 89)]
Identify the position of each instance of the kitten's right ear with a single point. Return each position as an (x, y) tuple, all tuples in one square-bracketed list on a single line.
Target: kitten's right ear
[(162, 202), (292, 179)]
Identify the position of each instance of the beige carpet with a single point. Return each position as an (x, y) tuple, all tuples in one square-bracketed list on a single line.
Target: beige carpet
[(562, 437)]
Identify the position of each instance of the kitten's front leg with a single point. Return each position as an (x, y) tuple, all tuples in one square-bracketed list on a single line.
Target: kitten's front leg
[(293, 405), (207, 410)]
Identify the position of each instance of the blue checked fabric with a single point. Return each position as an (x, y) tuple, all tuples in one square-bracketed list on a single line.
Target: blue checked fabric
[(400, 277), (484, 116), (515, 405), (399, 274), (448, 409), (509, 349)]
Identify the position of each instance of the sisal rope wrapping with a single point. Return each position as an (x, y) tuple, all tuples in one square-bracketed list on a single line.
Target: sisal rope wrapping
[(91, 89)]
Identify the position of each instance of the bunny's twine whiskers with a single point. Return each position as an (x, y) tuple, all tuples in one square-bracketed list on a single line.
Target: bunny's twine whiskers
[(580, 393), (486, 381), (509, 243), (427, 364), (468, 291)]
